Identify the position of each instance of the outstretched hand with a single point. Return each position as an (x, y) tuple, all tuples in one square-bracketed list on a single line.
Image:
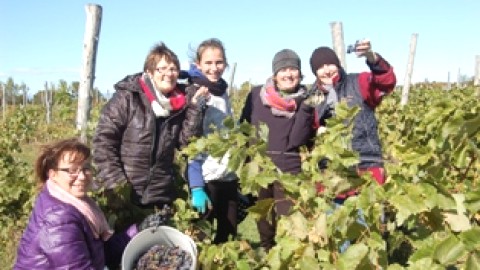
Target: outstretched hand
[(314, 100), (363, 48), (201, 94)]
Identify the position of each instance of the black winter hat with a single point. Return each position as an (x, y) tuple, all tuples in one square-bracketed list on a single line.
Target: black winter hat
[(285, 58), (322, 56)]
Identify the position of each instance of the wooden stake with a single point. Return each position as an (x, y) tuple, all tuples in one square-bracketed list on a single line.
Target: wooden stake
[(338, 43), (408, 75), (90, 44)]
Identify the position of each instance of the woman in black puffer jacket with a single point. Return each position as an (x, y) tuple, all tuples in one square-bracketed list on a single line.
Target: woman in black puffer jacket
[(147, 118)]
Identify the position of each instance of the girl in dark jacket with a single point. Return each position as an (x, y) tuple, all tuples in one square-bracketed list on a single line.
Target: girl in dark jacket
[(279, 105), (147, 118), (67, 229)]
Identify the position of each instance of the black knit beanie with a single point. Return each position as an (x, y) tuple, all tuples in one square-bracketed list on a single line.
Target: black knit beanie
[(285, 58), (322, 56)]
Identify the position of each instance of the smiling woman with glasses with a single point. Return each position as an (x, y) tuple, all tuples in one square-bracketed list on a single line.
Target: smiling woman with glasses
[(67, 229), (149, 117)]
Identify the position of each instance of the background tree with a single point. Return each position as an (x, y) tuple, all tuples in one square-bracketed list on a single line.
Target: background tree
[(63, 94), (10, 90), (4, 103), (74, 86)]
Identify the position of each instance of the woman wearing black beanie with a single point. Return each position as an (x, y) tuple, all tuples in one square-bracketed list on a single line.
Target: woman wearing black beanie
[(365, 90)]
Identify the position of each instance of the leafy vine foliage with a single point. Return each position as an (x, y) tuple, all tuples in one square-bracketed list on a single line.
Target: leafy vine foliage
[(426, 216), (17, 188), (429, 205)]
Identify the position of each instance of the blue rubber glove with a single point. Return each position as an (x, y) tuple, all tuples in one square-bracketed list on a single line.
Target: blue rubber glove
[(200, 199)]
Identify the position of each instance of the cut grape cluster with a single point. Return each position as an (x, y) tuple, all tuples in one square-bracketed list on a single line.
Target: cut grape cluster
[(161, 217), (165, 258)]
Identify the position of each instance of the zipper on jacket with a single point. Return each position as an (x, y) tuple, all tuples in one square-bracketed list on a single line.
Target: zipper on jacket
[(151, 159), (155, 139)]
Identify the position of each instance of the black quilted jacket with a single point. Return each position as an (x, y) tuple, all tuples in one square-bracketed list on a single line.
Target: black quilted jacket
[(124, 143)]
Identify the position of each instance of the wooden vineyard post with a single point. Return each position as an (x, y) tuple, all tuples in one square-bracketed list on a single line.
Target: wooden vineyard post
[(476, 80), (338, 43), (25, 90), (232, 77), (48, 103), (408, 75), (4, 101), (90, 44)]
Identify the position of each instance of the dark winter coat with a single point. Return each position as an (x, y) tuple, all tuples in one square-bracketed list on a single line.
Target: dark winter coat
[(285, 135), (131, 144), (365, 90), (58, 236)]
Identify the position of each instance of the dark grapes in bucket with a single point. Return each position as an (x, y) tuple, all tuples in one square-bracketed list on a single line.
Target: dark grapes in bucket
[(164, 257)]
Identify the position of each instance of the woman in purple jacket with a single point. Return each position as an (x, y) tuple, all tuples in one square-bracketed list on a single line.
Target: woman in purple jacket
[(67, 229)]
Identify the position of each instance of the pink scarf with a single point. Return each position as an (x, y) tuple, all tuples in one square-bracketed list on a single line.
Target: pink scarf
[(90, 210), (280, 106), (162, 105)]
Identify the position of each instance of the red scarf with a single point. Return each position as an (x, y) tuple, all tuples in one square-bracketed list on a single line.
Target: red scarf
[(162, 105), (280, 106)]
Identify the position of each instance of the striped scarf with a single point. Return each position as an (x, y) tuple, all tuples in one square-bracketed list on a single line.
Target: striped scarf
[(280, 106), (162, 105)]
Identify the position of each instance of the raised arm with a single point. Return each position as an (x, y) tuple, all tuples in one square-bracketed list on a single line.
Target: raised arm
[(380, 81)]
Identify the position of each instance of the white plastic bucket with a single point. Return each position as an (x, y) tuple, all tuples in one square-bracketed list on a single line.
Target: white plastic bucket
[(163, 235)]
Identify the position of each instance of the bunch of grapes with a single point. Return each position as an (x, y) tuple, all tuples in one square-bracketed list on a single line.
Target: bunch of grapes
[(165, 258), (161, 217)]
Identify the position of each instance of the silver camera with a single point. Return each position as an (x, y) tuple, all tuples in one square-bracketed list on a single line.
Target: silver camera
[(352, 47)]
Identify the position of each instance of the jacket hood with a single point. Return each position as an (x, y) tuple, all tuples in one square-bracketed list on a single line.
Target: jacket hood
[(129, 83)]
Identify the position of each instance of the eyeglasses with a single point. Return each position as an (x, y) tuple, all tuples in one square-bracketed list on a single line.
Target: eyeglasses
[(164, 70), (74, 172)]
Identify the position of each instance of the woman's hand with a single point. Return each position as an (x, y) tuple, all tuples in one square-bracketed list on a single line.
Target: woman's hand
[(202, 92), (364, 49)]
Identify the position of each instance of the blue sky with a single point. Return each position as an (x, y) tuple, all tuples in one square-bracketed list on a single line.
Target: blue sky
[(43, 40)]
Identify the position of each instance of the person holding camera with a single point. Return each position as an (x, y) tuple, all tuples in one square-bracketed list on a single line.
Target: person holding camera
[(366, 90)]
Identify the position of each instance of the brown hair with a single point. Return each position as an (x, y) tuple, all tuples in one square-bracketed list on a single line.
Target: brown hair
[(157, 53), (52, 153), (210, 43)]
